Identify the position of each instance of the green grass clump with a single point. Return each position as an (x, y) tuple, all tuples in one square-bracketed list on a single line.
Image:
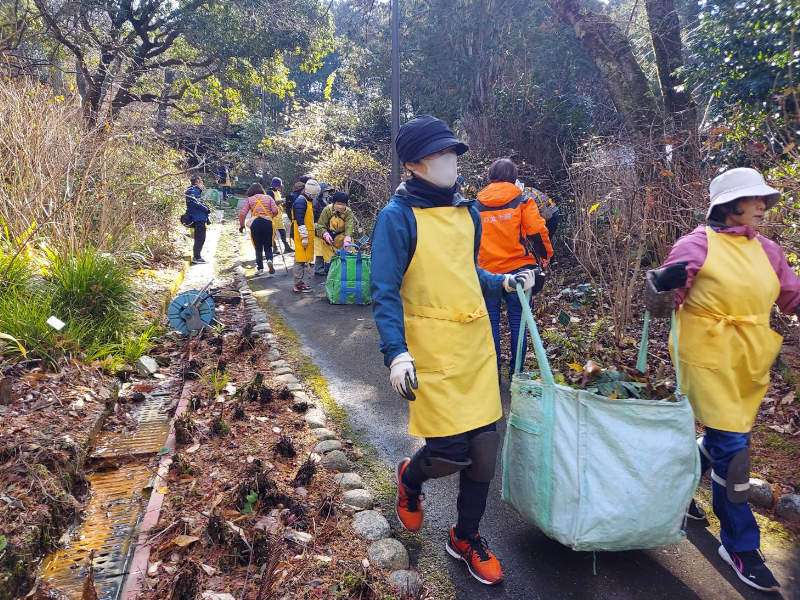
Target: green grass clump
[(23, 315), (90, 285)]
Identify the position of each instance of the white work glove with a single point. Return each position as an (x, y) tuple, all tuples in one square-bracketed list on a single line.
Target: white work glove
[(347, 240), (327, 238), (403, 376), (303, 231), (527, 278)]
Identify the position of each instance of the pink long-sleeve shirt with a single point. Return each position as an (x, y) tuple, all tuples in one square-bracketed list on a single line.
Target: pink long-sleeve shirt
[(693, 249), (260, 205)]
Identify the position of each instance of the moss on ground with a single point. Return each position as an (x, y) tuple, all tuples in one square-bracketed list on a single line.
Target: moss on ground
[(377, 477), (773, 534), (775, 441)]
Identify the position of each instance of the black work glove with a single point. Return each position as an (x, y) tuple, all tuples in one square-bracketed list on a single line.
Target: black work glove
[(670, 278)]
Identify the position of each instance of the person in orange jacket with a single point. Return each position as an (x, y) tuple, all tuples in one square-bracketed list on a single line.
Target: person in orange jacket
[(515, 238)]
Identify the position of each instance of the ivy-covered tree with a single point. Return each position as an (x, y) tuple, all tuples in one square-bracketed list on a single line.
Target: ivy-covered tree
[(123, 49)]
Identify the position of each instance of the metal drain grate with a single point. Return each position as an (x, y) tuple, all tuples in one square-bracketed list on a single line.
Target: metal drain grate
[(108, 528), (151, 431)]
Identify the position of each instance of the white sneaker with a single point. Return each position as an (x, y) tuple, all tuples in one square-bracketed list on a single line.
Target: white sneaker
[(259, 272)]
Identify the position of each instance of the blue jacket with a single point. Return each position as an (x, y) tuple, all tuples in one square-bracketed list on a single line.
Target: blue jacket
[(394, 241), (196, 209), (299, 207)]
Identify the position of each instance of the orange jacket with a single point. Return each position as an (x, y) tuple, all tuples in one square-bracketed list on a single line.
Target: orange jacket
[(511, 223)]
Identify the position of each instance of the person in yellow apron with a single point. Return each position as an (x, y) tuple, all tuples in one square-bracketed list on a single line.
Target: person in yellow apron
[(303, 228), (335, 227), (280, 227), (436, 337), (724, 279)]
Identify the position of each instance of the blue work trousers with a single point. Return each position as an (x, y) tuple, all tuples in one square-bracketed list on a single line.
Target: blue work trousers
[(494, 301), (738, 528)]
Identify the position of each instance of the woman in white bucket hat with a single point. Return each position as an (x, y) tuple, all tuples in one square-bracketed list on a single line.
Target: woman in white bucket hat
[(723, 280)]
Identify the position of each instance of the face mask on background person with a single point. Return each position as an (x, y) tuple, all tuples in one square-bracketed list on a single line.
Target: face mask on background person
[(440, 171), (520, 185)]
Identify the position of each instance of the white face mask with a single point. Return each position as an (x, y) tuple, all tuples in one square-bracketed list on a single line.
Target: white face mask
[(520, 185), (441, 171)]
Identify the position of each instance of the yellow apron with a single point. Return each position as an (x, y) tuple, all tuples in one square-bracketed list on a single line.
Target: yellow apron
[(447, 329), (305, 255), (725, 345), (278, 221), (322, 249)]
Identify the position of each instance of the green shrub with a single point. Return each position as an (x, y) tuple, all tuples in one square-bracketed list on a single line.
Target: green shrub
[(90, 287)]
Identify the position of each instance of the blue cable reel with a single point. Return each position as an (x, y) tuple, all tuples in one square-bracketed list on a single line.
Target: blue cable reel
[(191, 311)]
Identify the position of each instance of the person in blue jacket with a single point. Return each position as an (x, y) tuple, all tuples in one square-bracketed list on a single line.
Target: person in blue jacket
[(436, 337), (198, 212)]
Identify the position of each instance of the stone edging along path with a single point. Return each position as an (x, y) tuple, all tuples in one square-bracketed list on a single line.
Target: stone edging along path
[(369, 524)]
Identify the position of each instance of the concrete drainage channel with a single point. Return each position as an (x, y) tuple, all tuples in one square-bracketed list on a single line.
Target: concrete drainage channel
[(118, 493)]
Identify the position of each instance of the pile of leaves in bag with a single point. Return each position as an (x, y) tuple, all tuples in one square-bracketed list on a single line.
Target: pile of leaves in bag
[(620, 384)]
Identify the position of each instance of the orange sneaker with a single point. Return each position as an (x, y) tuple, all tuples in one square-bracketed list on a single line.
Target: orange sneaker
[(482, 564), (409, 506)]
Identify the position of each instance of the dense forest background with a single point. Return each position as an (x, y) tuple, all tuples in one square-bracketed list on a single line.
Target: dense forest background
[(620, 110)]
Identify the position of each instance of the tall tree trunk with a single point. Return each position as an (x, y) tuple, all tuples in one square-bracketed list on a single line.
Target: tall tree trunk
[(612, 54), (161, 114), (665, 30)]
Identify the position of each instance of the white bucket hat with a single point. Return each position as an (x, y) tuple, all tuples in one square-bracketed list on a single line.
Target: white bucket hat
[(740, 183)]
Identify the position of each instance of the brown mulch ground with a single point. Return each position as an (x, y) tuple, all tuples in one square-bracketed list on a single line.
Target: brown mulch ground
[(232, 493)]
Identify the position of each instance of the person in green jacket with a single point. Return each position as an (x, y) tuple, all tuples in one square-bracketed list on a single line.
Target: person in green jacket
[(335, 227)]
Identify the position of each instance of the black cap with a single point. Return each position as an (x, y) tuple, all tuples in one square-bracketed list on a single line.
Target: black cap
[(340, 197), (424, 135)]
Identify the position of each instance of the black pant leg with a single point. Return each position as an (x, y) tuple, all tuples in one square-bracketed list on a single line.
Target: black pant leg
[(471, 505), (199, 239), (261, 230)]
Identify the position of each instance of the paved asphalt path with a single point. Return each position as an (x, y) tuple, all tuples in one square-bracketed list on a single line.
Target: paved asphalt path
[(343, 342)]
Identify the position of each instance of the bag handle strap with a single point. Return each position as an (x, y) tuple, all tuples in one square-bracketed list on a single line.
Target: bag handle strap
[(644, 345), (529, 323)]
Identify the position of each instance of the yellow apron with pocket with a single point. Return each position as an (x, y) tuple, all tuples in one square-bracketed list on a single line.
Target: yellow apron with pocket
[(726, 344), (447, 328), (305, 255)]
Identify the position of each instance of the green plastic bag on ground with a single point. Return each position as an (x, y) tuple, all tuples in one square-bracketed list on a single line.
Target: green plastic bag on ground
[(597, 473), (349, 278)]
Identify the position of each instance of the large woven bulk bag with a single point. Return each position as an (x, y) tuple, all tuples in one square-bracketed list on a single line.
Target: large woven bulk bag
[(597, 473)]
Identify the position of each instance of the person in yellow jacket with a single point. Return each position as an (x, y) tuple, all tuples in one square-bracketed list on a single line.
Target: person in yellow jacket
[(436, 337), (303, 228), (335, 227), (723, 279)]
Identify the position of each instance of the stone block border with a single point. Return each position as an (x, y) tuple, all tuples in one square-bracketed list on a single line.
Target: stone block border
[(369, 524)]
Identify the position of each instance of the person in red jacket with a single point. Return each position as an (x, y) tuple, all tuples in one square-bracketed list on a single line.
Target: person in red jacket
[(515, 238)]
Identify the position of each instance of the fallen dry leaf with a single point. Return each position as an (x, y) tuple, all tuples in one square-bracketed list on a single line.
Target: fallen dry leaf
[(193, 448), (184, 540), (787, 399), (780, 428)]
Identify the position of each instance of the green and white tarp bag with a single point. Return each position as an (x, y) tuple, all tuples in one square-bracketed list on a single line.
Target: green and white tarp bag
[(596, 473)]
